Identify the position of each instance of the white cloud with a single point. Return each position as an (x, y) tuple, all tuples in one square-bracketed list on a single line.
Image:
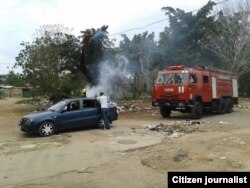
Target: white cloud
[(20, 18)]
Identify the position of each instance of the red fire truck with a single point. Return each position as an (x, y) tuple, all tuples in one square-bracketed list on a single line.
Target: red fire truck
[(193, 90)]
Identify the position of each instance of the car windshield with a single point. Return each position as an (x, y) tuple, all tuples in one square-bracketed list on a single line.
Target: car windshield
[(172, 78), (57, 106)]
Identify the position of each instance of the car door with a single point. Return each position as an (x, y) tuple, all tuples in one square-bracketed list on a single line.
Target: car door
[(112, 113), (90, 113), (70, 116)]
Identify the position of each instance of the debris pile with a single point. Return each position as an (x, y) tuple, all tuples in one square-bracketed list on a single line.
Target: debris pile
[(223, 122), (126, 107), (243, 106), (173, 129), (180, 155), (41, 103)]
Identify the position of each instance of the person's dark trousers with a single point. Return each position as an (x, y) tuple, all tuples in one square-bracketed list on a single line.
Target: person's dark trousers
[(105, 118)]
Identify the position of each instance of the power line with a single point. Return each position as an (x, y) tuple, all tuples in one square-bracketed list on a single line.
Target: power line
[(143, 27), (137, 28)]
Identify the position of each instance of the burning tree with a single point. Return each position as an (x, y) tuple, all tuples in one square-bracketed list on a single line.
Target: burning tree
[(55, 53), (94, 43)]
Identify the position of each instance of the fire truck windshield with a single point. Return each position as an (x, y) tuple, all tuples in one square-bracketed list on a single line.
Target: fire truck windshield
[(172, 78)]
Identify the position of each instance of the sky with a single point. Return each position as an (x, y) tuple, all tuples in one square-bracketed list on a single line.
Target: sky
[(19, 19)]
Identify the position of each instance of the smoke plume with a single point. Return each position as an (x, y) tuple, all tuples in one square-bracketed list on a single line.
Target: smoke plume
[(112, 72)]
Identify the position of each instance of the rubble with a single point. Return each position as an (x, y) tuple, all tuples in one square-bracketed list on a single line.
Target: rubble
[(223, 158), (174, 129), (243, 107), (30, 146), (180, 155), (174, 135), (130, 108), (127, 141), (88, 170), (41, 103), (2, 144), (223, 122), (133, 106)]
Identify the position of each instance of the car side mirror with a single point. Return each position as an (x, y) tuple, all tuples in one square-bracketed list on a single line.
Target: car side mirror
[(63, 110)]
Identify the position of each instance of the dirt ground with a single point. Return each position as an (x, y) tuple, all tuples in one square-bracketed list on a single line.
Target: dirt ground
[(138, 150)]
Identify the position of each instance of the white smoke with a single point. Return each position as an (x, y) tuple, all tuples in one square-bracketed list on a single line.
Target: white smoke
[(112, 72)]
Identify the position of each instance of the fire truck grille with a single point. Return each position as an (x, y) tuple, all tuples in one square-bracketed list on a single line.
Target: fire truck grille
[(170, 97)]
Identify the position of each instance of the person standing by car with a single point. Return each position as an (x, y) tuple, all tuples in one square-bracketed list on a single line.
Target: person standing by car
[(104, 109)]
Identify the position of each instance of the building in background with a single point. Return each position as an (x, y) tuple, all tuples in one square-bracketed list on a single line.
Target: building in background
[(7, 91), (3, 78)]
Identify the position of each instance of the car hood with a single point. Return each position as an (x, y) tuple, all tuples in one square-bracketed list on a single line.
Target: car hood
[(42, 114)]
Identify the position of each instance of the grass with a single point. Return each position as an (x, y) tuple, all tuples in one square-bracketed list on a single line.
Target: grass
[(24, 101)]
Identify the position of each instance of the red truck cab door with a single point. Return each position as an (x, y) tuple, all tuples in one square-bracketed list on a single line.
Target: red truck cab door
[(199, 85), (206, 87), (192, 85)]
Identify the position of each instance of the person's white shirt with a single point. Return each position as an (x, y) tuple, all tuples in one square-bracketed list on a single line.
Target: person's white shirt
[(103, 101)]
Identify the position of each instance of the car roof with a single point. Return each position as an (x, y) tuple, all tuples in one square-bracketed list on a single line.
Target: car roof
[(78, 98)]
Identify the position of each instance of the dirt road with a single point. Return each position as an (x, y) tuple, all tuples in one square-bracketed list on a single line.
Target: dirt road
[(138, 151)]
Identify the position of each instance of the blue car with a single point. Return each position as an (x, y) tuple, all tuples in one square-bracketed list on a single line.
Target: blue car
[(67, 114)]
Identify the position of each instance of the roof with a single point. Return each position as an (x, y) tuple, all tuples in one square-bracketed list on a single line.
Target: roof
[(6, 86)]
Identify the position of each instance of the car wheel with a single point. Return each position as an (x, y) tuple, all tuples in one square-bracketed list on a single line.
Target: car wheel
[(46, 129)]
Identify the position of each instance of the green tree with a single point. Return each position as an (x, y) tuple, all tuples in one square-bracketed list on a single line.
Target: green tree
[(55, 53), (72, 84), (95, 45), (143, 56), (45, 59), (15, 79), (230, 40), (244, 84), (180, 41)]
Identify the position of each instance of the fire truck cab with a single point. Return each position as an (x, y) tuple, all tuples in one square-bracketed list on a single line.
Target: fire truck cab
[(193, 90)]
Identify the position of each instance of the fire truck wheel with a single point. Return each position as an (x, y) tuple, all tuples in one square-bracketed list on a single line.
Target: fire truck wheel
[(165, 111), (222, 106), (228, 105), (196, 110)]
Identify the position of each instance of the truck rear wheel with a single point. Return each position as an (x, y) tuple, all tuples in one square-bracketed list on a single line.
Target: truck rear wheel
[(165, 111), (197, 110), (228, 105), (222, 106)]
